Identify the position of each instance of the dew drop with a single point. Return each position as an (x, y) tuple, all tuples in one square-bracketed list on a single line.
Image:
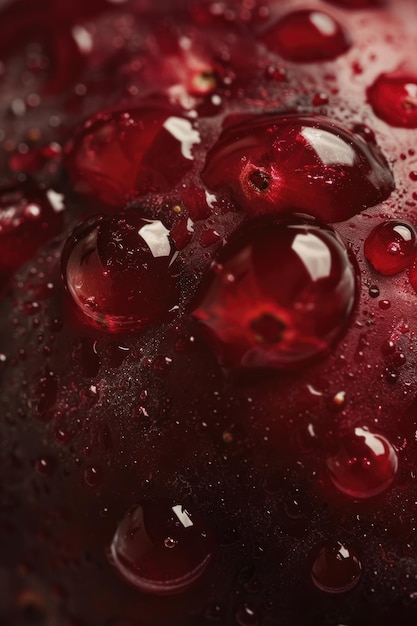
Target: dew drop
[(120, 271), (117, 156), (393, 98), (269, 304), (45, 466), (336, 568), (273, 163), (161, 547), (364, 466), (92, 476), (391, 247), (246, 616), (307, 36)]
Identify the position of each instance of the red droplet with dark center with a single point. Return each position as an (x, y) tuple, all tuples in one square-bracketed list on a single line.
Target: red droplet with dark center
[(120, 272), (393, 98), (365, 464), (391, 247), (29, 217), (162, 547), (307, 36), (120, 155), (281, 292), (271, 163), (336, 568)]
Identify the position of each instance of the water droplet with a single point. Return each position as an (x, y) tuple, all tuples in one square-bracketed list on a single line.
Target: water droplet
[(391, 247), (364, 466), (121, 155), (272, 163), (393, 98), (246, 616), (336, 568), (45, 466), (373, 291), (274, 312), (92, 476), (307, 36), (161, 547), (120, 271)]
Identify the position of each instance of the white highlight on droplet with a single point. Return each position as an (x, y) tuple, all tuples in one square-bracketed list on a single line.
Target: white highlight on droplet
[(324, 23), (183, 131), (83, 39), (56, 200), (183, 516), (156, 237)]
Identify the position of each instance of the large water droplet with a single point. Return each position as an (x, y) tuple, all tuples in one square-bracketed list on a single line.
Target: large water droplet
[(120, 272), (272, 163), (336, 568), (281, 293), (393, 97), (307, 36), (364, 466), (161, 547), (120, 155)]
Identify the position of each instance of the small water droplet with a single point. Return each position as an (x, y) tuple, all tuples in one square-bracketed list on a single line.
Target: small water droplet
[(336, 568), (391, 247)]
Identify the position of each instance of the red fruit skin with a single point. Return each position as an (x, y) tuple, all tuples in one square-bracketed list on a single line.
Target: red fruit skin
[(120, 155), (270, 163)]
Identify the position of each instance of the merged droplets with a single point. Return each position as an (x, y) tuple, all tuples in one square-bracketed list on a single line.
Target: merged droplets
[(120, 272), (281, 293), (307, 36), (336, 568), (271, 163), (393, 98), (365, 464), (118, 156), (391, 247), (161, 547)]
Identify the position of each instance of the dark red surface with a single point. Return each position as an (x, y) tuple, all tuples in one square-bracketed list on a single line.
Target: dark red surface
[(299, 480)]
